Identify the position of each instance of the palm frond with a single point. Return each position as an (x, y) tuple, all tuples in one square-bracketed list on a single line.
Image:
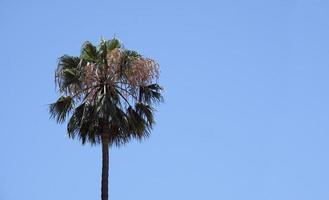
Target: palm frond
[(67, 75), (102, 54), (89, 52), (61, 108), (127, 57), (151, 94), (146, 111), (139, 128), (113, 44), (130, 54), (84, 124)]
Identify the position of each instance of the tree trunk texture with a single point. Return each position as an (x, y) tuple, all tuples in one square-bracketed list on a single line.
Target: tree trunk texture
[(105, 166)]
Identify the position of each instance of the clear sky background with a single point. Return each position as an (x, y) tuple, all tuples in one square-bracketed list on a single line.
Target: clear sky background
[(246, 115)]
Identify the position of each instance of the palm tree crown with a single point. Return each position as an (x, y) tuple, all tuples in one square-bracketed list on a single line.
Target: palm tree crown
[(107, 90)]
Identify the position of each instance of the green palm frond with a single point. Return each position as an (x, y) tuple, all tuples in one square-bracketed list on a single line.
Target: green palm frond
[(84, 124), (128, 57), (67, 75), (68, 62), (102, 53), (61, 108), (131, 54), (139, 128), (89, 52), (74, 123), (113, 44), (150, 93), (146, 111), (89, 125)]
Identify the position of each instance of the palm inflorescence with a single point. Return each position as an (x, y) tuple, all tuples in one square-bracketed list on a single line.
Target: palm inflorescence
[(107, 90)]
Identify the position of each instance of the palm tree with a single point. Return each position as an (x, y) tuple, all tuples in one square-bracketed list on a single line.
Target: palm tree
[(109, 94)]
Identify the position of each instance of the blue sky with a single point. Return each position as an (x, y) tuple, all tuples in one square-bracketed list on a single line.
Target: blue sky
[(246, 115)]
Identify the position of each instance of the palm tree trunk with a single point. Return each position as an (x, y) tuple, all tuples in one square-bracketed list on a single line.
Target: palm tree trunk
[(105, 166)]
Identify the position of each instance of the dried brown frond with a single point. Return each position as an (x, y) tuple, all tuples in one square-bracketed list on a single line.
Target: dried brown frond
[(91, 74), (142, 72), (114, 60)]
